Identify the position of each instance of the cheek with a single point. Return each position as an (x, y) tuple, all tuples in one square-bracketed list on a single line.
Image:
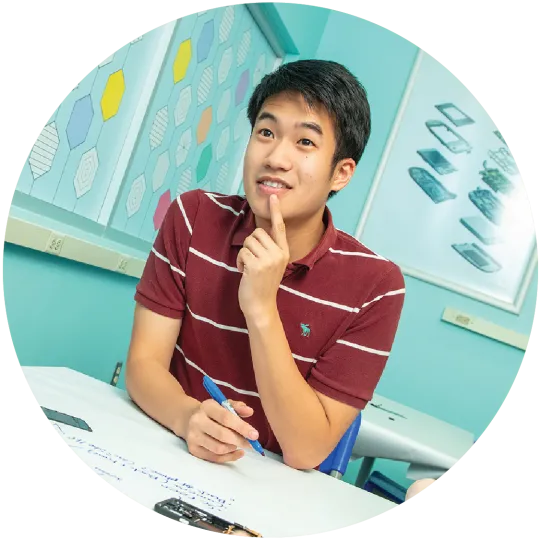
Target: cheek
[(313, 172), (251, 156)]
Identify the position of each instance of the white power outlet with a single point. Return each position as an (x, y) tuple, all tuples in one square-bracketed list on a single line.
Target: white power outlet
[(55, 243), (122, 265)]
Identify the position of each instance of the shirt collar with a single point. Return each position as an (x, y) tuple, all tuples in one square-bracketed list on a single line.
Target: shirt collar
[(246, 225)]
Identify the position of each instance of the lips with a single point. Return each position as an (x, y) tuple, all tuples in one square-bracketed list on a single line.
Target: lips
[(272, 182)]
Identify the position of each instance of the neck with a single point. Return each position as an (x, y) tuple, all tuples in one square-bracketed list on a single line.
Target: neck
[(302, 236)]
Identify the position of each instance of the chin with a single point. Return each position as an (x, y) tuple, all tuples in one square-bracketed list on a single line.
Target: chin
[(259, 207)]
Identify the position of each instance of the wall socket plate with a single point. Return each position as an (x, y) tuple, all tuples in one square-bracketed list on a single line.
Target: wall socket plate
[(122, 265), (55, 243)]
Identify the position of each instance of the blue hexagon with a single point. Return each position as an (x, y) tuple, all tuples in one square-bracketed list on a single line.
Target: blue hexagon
[(80, 121), (205, 41)]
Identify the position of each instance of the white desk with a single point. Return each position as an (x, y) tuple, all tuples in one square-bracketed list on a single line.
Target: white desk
[(393, 431), (150, 464)]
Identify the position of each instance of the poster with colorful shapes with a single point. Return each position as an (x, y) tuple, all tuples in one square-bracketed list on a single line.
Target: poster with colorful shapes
[(75, 157), (196, 128)]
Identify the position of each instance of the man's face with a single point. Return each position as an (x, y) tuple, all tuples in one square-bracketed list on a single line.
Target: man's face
[(290, 154)]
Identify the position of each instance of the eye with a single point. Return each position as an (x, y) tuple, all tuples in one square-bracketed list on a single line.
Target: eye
[(306, 142), (265, 132)]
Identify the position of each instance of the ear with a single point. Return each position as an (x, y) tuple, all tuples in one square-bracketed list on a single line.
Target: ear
[(343, 173)]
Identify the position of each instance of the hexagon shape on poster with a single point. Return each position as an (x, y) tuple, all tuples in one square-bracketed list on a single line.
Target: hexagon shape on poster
[(226, 24), (184, 146), (112, 95), (222, 177), (204, 125), (223, 107), (205, 41), (44, 151), (243, 48), (161, 209), (182, 60), (185, 182), (182, 106), (242, 87), (205, 85), (86, 172), (159, 127), (80, 121), (135, 195), (223, 143), (225, 65), (204, 163), (160, 172), (258, 73), (242, 124)]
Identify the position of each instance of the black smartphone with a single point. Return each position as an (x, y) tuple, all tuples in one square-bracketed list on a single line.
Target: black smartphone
[(66, 419)]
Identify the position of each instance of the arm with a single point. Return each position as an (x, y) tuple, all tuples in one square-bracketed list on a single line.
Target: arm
[(148, 380), (307, 424), (309, 417), (210, 431)]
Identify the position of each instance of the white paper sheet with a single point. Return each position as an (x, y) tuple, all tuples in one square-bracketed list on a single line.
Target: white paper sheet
[(268, 497)]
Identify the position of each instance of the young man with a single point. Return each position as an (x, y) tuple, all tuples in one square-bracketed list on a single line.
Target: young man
[(293, 319)]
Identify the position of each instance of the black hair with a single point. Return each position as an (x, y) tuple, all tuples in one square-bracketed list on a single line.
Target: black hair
[(330, 85)]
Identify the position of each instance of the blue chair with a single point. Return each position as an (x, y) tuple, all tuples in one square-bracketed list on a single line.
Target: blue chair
[(336, 463), (381, 485)]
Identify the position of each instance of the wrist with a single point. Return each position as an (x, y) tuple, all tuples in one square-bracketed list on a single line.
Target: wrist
[(187, 408), (262, 317)]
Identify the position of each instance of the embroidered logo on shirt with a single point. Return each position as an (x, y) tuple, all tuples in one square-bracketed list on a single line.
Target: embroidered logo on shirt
[(306, 330)]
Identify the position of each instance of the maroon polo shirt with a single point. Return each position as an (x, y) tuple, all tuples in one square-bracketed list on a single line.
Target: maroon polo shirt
[(340, 306)]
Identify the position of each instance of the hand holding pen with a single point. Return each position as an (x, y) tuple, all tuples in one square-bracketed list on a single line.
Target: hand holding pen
[(216, 435)]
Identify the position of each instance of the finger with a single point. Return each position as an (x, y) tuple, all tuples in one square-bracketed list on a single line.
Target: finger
[(252, 244), (214, 445), (243, 258), (224, 434), (226, 418), (278, 225), (241, 408), (264, 238), (205, 454)]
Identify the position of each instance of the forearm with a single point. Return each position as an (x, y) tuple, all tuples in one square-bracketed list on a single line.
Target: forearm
[(294, 411), (153, 388)]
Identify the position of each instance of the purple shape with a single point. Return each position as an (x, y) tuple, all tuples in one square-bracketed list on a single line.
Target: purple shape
[(205, 41), (242, 87)]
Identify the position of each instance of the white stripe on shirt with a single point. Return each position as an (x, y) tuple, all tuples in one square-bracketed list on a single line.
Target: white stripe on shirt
[(391, 293), (361, 348), (164, 259), (319, 300), (213, 261), (357, 254), (184, 214), (211, 197)]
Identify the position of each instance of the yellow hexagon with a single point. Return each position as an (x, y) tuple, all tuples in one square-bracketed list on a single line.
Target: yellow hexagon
[(112, 95), (181, 62)]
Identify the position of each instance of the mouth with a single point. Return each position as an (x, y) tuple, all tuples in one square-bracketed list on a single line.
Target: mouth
[(269, 185)]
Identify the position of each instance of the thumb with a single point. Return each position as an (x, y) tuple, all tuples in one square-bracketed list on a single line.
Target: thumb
[(241, 408)]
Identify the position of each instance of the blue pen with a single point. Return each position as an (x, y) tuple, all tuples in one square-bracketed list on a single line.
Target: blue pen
[(217, 394)]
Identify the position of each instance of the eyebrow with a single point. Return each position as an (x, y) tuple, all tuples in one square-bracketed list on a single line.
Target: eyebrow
[(313, 126)]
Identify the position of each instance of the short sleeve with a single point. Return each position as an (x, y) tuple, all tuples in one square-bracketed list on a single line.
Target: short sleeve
[(162, 285), (350, 369)]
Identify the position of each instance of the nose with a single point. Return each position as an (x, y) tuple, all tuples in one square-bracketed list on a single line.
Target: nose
[(278, 157)]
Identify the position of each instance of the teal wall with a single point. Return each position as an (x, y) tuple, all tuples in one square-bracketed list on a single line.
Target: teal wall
[(64, 313), (305, 24)]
